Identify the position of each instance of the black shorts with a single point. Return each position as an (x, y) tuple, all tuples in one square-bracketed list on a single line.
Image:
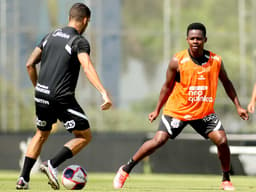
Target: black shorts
[(66, 110), (203, 126)]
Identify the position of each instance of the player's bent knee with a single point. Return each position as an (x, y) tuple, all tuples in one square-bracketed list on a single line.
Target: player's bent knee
[(88, 138), (42, 139), (159, 141), (160, 138), (85, 134), (42, 136), (222, 142)]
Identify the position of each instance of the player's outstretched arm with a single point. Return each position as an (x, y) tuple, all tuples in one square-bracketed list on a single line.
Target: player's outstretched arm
[(166, 88), (251, 105), (93, 77), (231, 92), (33, 59)]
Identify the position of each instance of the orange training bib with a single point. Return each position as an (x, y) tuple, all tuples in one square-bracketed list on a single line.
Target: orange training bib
[(194, 96)]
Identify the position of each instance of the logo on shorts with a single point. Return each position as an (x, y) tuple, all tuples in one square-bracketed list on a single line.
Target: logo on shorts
[(211, 117), (70, 124), (40, 123), (175, 123)]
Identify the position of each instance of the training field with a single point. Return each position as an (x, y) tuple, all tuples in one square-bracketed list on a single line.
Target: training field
[(98, 182)]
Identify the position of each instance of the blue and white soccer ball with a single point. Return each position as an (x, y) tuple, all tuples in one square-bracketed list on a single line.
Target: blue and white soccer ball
[(74, 177)]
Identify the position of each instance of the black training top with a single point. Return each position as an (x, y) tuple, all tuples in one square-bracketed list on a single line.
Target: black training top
[(59, 69)]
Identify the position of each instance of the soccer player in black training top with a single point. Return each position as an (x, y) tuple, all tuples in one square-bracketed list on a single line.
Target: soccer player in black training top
[(61, 53)]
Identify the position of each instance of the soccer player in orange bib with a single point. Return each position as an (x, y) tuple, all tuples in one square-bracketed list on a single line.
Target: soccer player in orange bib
[(188, 94)]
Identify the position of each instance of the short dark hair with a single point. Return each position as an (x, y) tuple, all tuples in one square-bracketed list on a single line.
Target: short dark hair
[(198, 26), (79, 11)]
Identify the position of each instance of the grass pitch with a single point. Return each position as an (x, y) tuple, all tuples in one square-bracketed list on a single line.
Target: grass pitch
[(101, 182)]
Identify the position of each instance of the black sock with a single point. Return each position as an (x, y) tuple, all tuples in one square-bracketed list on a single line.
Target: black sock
[(64, 154), (225, 176), (27, 166), (129, 166)]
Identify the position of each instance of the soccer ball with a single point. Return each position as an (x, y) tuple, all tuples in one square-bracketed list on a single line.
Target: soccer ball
[(74, 177)]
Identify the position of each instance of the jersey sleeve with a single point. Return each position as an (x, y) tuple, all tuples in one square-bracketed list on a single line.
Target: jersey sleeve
[(81, 45), (42, 42)]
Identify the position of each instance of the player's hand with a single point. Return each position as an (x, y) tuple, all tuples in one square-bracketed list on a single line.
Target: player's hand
[(107, 102), (251, 107), (243, 113), (152, 116)]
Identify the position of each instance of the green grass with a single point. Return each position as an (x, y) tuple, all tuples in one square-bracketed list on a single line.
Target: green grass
[(101, 182)]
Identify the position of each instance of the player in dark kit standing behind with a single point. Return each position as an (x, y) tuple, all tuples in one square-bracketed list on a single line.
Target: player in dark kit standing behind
[(188, 94), (61, 53)]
